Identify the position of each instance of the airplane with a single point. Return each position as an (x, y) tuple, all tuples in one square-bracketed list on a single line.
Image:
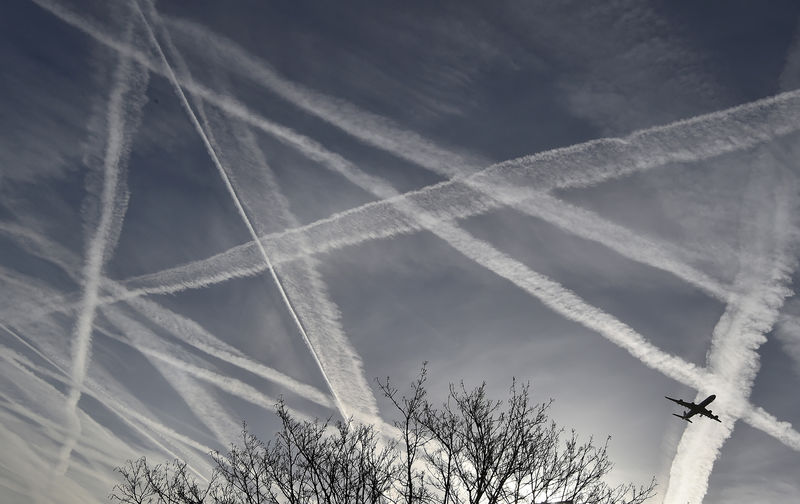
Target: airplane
[(694, 409)]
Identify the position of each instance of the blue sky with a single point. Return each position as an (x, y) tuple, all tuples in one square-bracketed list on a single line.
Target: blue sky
[(598, 199)]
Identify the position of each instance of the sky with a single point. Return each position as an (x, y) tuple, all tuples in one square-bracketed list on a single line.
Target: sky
[(208, 206)]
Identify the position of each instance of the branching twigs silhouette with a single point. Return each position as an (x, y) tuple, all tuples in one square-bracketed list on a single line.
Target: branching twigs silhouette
[(470, 450)]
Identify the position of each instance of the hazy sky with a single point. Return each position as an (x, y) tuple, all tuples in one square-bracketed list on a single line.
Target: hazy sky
[(599, 199)]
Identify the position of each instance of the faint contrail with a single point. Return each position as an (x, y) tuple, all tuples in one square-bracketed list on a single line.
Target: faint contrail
[(184, 329), (203, 403), (133, 415), (370, 128), (130, 413), (110, 399), (259, 191), (124, 109), (788, 331), (212, 153), (25, 366), (143, 340), (765, 273)]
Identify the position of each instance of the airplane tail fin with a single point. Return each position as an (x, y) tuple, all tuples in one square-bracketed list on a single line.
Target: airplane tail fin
[(682, 417)]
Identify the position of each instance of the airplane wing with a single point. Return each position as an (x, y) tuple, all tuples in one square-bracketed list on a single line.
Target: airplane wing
[(709, 414), (682, 403)]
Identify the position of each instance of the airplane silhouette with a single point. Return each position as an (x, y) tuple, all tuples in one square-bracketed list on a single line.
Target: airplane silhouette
[(695, 409)]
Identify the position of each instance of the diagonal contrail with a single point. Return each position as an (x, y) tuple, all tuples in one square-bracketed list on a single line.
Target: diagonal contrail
[(212, 153), (259, 191), (765, 273), (130, 411), (124, 109), (202, 402), (690, 140), (685, 146), (182, 328), (767, 260)]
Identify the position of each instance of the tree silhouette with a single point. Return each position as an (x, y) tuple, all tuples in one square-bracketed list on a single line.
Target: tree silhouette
[(469, 450)]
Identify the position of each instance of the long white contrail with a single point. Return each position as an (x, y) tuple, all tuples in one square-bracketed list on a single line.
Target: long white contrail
[(124, 110), (765, 273), (694, 139), (260, 192), (686, 140), (245, 219), (382, 133), (370, 128), (182, 328)]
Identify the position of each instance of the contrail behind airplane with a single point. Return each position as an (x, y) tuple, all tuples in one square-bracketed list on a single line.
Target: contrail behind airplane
[(765, 272)]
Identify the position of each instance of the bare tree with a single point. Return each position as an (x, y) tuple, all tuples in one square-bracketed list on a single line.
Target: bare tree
[(469, 450)]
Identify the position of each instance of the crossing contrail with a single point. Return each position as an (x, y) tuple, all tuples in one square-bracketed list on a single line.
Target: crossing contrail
[(182, 328), (741, 129), (245, 219), (733, 358), (258, 189), (695, 139), (124, 111), (202, 402), (99, 390)]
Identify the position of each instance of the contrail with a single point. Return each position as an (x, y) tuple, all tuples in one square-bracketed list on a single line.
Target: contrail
[(184, 329), (124, 109), (788, 331), (95, 435), (767, 261), (370, 128), (549, 292), (686, 147), (208, 410), (686, 140), (260, 192), (133, 413), (695, 139), (212, 153), (98, 390), (143, 340), (163, 355), (382, 133), (733, 357), (683, 148)]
